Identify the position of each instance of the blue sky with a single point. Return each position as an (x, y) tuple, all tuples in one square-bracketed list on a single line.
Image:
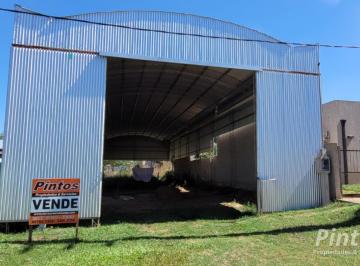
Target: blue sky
[(314, 21)]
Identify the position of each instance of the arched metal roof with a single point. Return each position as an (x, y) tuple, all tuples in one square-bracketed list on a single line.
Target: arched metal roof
[(222, 24), (104, 15), (192, 44)]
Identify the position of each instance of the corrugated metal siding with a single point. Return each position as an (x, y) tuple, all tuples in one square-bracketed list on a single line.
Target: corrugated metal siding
[(234, 166), (55, 116), (54, 127), (200, 140), (40, 31), (266, 187), (288, 139)]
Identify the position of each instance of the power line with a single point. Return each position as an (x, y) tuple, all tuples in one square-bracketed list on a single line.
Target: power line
[(178, 33)]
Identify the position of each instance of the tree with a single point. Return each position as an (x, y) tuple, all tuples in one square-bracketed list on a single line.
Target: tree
[(1, 135)]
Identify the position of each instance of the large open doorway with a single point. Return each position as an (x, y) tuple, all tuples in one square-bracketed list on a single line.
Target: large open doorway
[(198, 119)]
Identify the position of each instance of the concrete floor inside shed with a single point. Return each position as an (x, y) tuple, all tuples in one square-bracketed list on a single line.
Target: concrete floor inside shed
[(127, 200)]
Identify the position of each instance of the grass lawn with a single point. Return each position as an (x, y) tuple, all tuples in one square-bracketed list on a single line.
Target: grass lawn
[(270, 239), (351, 189)]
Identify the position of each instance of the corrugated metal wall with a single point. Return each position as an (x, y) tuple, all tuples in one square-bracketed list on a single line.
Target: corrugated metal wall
[(55, 113), (234, 166), (54, 127), (199, 140), (288, 140), (239, 143), (40, 31)]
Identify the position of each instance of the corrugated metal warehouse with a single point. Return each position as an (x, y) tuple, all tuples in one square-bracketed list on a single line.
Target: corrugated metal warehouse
[(159, 86)]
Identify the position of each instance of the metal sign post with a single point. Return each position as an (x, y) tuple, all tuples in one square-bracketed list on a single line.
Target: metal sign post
[(30, 233), (77, 231)]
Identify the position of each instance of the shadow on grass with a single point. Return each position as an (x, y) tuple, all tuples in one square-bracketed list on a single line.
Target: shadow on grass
[(71, 243), (215, 212), (143, 205)]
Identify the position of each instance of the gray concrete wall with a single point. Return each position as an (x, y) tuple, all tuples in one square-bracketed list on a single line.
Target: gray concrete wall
[(234, 166), (335, 175), (332, 113), (354, 178)]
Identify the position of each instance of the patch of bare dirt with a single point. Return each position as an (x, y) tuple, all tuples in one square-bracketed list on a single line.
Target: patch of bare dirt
[(149, 203)]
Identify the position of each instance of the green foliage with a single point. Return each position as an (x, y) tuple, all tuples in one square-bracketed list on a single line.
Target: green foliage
[(210, 154), (127, 163), (351, 189), (124, 166), (1, 135)]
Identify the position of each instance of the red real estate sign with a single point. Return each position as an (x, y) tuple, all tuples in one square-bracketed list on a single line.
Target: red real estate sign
[(55, 201)]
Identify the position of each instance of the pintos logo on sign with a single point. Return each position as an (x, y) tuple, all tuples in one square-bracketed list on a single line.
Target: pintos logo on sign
[(55, 201)]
